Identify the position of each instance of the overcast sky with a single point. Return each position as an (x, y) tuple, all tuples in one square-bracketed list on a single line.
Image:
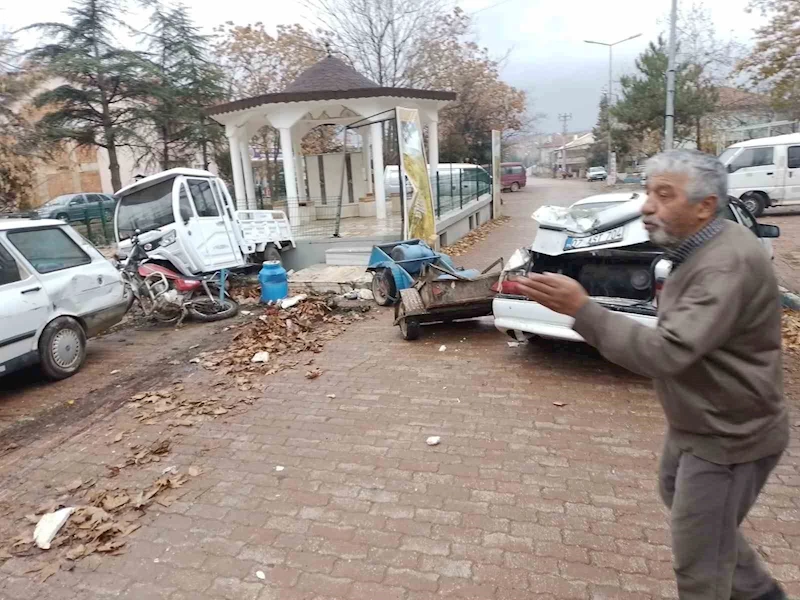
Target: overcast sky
[(548, 57)]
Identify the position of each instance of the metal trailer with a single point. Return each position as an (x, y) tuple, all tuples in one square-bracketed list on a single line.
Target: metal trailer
[(443, 295)]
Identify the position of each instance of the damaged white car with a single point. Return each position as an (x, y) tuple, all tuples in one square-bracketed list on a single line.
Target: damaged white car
[(56, 290), (602, 243)]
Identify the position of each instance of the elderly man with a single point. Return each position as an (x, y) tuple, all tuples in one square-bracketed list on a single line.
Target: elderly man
[(716, 361)]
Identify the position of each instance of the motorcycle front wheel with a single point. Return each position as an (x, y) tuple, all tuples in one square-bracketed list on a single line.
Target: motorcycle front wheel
[(207, 310)]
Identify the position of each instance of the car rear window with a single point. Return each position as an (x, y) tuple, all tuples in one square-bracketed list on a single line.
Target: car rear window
[(48, 250)]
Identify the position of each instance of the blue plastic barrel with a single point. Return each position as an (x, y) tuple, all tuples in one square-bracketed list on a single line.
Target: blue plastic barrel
[(418, 253), (273, 280)]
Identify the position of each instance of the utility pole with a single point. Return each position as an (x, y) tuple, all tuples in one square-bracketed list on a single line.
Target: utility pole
[(669, 117), (564, 118), (610, 91)]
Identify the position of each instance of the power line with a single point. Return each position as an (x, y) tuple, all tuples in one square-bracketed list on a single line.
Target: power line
[(496, 4)]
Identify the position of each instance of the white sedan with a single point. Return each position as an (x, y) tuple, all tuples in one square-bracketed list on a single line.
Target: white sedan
[(601, 242)]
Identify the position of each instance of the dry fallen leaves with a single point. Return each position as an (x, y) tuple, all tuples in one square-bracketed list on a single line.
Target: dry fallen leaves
[(475, 236), (790, 330), (313, 373)]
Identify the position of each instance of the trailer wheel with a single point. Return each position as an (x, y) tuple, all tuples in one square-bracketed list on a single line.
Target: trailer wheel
[(409, 326), (384, 289)]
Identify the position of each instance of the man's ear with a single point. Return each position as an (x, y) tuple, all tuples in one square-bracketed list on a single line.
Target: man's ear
[(707, 207)]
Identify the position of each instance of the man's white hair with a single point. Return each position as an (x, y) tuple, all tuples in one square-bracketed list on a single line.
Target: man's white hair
[(706, 175)]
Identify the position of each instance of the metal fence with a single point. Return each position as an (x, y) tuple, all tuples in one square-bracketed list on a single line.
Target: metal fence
[(98, 228), (456, 188)]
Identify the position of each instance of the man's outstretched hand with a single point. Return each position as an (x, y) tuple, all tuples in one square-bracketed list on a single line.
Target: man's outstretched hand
[(559, 293)]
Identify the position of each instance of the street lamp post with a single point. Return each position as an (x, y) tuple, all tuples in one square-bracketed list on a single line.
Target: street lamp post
[(610, 89)]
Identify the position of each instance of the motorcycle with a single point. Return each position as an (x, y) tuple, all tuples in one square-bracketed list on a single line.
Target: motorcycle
[(168, 296)]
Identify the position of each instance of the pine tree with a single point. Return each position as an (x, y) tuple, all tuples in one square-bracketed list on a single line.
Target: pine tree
[(105, 84), (185, 81)]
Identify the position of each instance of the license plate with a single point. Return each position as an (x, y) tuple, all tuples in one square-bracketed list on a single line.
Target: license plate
[(607, 237)]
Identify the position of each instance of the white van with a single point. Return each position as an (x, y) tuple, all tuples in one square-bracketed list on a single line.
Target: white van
[(764, 172), (186, 217)]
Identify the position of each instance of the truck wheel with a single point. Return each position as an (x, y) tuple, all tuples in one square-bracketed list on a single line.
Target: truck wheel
[(515, 187), (271, 253), (384, 289), (62, 348), (755, 203)]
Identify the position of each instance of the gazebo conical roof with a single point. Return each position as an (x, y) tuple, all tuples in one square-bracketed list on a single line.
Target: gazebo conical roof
[(330, 79)]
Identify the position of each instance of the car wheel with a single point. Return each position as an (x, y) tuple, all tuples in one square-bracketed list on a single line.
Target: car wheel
[(63, 217), (515, 187), (62, 348), (755, 203)]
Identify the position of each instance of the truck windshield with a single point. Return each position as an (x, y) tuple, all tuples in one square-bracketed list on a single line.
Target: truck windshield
[(726, 156), (145, 209)]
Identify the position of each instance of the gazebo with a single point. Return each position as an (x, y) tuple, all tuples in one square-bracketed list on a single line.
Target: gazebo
[(328, 93)]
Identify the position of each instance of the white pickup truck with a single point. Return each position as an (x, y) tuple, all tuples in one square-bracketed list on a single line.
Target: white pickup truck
[(186, 217)]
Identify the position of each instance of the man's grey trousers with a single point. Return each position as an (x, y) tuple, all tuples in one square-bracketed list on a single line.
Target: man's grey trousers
[(712, 560)]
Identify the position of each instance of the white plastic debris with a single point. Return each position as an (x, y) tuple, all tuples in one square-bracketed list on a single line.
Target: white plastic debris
[(434, 440), (260, 357), (351, 295), (195, 361), (246, 313), (365, 294), (115, 371), (171, 470), (49, 525), (442, 348), (331, 396), (293, 301), (279, 468), (260, 575), (513, 344)]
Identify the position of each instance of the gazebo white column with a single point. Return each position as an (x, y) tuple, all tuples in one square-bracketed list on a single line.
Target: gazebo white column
[(289, 175), (236, 167), (367, 157), (377, 170), (247, 165), (433, 155), (299, 167)]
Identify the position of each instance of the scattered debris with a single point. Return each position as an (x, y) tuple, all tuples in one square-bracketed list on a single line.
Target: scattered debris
[(246, 313), (260, 575), (442, 348), (331, 396), (141, 455), (115, 371), (195, 361), (293, 301), (194, 471), (171, 470), (49, 525), (790, 330), (433, 440), (559, 403), (351, 295), (474, 237), (365, 294), (279, 468), (260, 357), (313, 373), (513, 344)]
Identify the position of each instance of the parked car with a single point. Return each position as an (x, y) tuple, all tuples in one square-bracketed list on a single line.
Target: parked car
[(75, 207), (602, 243), (764, 172), (597, 174), (513, 176), (453, 180), (56, 290)]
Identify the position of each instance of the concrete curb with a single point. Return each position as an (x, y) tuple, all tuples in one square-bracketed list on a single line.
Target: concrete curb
[(789, 299)]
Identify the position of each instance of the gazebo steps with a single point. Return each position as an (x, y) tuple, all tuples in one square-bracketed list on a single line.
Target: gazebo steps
[(349, 256), (330, 279)]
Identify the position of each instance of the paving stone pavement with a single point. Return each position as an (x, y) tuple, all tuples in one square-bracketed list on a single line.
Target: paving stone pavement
[(522, 499)]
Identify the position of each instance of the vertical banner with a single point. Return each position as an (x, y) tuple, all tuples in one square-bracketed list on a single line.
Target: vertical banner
[(418, 203), (496, 177), (612, 170)]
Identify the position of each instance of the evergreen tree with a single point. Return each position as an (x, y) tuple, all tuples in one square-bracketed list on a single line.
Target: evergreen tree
[(105, 84)]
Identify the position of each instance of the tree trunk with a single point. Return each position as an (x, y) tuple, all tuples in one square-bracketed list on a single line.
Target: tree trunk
[(113, 161), (164, 148), (699, 140)]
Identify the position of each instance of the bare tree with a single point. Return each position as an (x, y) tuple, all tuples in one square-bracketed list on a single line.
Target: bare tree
[(380, 38)]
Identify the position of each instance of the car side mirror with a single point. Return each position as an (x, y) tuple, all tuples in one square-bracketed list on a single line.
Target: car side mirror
[(768, 231), (729, 168)]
